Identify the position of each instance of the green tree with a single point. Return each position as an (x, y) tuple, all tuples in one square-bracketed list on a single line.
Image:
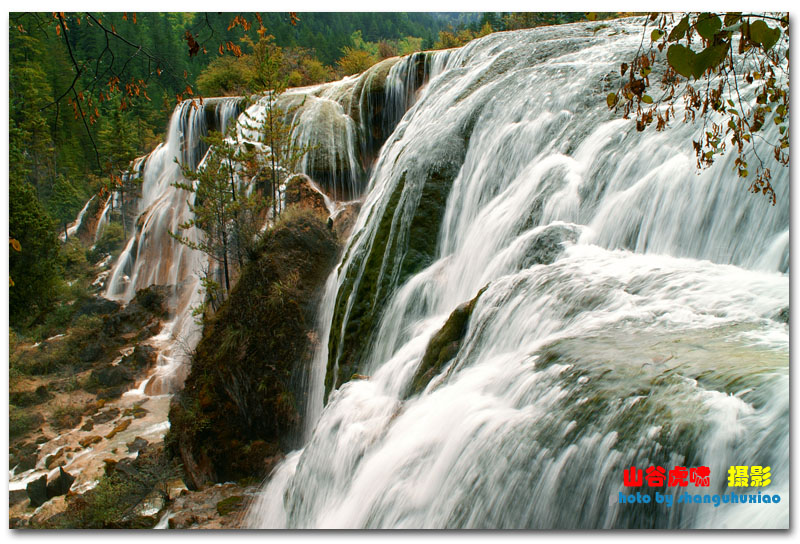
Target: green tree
[(34, 269), (117, 139), (703, 69), (224, 209), (274, 131), (64, 202)]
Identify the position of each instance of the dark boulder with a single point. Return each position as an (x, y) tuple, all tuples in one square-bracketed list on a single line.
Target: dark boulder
[(137, 445), (97, 306), (142, 357), (105, 416), (110, 376), (60, 484), (92, 352), (37, 491), (27, 462)]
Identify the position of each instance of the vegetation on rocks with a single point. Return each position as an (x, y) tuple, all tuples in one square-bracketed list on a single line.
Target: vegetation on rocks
[(443, 346), (386, 263), (239, 406)]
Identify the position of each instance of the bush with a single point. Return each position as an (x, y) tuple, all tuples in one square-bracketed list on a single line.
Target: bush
[(66, 416), (110, 241), (21, 421), (225, 76), (355, 61)]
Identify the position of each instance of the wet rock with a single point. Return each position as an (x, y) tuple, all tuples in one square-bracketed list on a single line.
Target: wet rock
[(88, 426), (443, 346), (50, 514), (89, 440), (141, 358), (148, 304), (548, 245), (111, 392), (300, 192), (137, 444), (97, 306), (52, 460), (345, 220), (216, 507), (119, 428), (37, 491), (105, 416), (60, 484), (147, 512), (783, 315), (176, 488), (16, 496), (110, 376)]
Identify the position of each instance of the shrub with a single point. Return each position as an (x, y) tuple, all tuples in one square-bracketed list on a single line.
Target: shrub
[(111, 239), (21, 421)]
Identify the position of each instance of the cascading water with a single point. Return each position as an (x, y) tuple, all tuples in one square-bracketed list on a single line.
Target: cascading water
[(151, 255), (73, 227), (626, 311)]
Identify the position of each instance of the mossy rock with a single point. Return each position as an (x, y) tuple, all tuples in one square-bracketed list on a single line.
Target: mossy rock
[(443, 346), (242, 399), (226, 506), (393, 256)]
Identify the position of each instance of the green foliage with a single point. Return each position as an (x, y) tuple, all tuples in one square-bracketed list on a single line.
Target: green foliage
[(64, 202), (355, 61), (715, 76), (226, 76), (21, 421), (110, 240), (222, 208), (34, 270), (66, 416)]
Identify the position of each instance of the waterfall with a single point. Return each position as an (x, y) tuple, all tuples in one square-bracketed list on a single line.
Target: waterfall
[(73, 227), (151, 256), (619, 309)]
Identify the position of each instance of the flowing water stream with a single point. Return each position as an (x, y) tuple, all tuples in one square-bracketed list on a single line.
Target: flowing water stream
[(630, 310)]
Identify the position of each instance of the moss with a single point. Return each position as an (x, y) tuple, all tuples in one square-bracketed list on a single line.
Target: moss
[(393, 256), (443, 346), (111, 504), (22, 421), (226, 506), (240, 402), (365, 290)]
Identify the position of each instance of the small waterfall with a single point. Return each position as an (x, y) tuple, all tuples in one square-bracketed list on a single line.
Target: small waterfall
[(73, 227), (151, 256), (621, 308)]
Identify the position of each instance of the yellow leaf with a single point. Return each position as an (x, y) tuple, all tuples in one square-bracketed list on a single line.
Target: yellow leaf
[(15, 244)]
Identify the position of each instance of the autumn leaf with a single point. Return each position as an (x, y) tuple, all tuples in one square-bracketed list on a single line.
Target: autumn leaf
[(15, 244), (194, 47)]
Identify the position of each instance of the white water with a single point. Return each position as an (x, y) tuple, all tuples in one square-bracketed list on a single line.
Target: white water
[(73, 227), (152, 257), (651, 340)]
